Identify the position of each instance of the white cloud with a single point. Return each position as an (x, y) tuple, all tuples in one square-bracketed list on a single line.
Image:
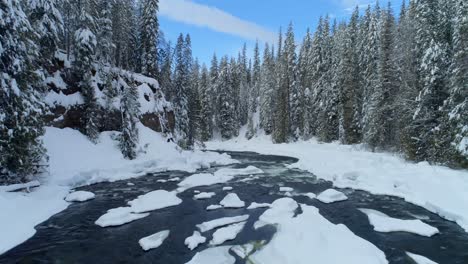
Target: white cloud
[(189, 12)]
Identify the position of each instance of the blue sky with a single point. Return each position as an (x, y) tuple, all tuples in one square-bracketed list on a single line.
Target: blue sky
[(222, 26)]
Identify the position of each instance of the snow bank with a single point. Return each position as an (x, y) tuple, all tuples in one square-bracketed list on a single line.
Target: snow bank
[(80, 196), (384, 223), (118, 216), (420, 259), (193, 241), (153, 201), (216, 255), (331, 196), (439, 189), (90, 163), (298, 240), (153, 241), (21, 212), (226, 233), (232, 201), (210, 225)]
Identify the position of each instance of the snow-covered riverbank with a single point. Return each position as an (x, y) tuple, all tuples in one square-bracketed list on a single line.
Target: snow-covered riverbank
[(439, 189)]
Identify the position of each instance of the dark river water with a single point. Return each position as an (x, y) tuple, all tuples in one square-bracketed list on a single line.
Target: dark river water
[(72, 237)]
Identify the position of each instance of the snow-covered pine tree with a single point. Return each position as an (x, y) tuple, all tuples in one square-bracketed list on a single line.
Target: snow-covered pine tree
[(166, 72), (84, 49), (244, 87), (267, 84), (130, 113), (194, 103), (21, 109), (105, 47), (214, 73), (181, 89), (294, 93), (381, 128), (149, 38), (47, 23), (281, 119), (350, 129), (252, 127), (206, 121), (305, 71), (227, 118)]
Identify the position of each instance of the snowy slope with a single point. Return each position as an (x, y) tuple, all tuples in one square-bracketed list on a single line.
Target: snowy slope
[(439, 189)]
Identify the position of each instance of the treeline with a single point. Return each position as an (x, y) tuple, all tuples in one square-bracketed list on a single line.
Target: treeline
[(101, 39), (393, 84)]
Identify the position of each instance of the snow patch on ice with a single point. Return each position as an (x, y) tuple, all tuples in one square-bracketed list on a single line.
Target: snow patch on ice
[(216, 255), (118, 216), (153, 241), (80, 196), (331, 196), (204, 195), (210, 225), (193, 241), (232, 201), (154, 200), (226, 233), (255, 205), (214, 207), (384, 223)]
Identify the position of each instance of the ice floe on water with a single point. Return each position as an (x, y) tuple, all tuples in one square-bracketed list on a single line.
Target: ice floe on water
[(204, 195), (153, 201), (243, 251), (286, 189), (153, 241), (227, 188), (210, 225), (215, 255), (226, 233), (214, 207), (119, 216), (331, 196), (255, 205), (420, 259), (384, 223), (311, 236), (80, 196), (311, 195), (250, 170), (194, 240), (232, 201)]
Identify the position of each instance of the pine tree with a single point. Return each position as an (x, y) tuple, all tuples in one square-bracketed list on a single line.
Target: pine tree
[(21, 110), (306, 68), (291, 84), (252, 127), (149, 38), (130, 112), (227, 119), (166, 73), (105, 47), (84, 48), (205, 92), (181, 89), (267, 84), (194, 104)]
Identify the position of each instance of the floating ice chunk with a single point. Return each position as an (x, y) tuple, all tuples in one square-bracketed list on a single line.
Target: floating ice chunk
[(243, 251), (420, 259), (280, 209), (79, 196), (286, 189), (204, 195), (226, 233), (308, 235), (311, 195), (118, 216), (193, 241), (232, 201), (202, 179), (174, 179), (227, 188), (214, 207), (331, 196), (210, 225), (255, 205), (216, 255), (153, 241), (154, 200), (196, 191), (384, 223), (130, 184), (161, 181)]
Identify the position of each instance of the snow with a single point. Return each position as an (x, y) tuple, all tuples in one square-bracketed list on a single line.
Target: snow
[(286, 189), (384, 223), (204, 195), (243, 251), (20, 186), (331, 196), (21, 212), (80, 196), (53, 99), (226, 233), (255, 205), (439, 189), (56, 80), (214, 207), (210, 225), (153, 201), (420, 259), (311, 195), (298, 239), (227, 188), (232, 201), (118, 216), (153, 241), (215, 255), (226, 172), (193, 241), (202, 179)]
